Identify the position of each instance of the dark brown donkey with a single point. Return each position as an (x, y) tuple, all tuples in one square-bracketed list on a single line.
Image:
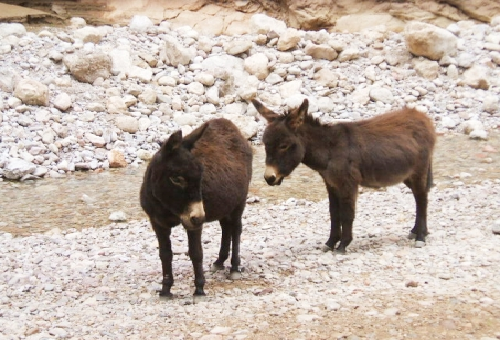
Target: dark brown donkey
[(200, 178), (385, 150)]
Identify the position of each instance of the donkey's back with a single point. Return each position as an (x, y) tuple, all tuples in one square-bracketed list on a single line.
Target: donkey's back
[(393, 147), (227, 161)]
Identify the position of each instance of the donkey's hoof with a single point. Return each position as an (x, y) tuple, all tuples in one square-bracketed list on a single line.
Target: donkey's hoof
[(419, 244), (412, 236), (325, 248), (165, 296), (236, 275), (339, 251), (199, 298), (216, 267)]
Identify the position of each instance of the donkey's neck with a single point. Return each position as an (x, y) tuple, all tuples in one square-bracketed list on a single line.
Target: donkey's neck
[(318, 141)]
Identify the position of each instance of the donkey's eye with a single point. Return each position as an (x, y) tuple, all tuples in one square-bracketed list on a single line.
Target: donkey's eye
[(178, 180), (284, 147)]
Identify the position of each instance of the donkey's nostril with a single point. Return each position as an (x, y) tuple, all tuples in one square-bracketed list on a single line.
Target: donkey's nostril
[(270, 179), (197, 220)]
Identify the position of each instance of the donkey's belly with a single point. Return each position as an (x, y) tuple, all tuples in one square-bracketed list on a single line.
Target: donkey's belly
[(384, 180)]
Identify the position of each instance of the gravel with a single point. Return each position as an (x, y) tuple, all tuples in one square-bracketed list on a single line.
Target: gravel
[(146, 83), (102, 282)]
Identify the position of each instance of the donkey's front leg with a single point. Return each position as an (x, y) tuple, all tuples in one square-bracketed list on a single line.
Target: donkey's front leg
[(196, 256), (165, 247), (335, 229)]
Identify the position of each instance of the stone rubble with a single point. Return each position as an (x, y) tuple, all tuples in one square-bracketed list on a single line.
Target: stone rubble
[(95, 89), (103, 97), (102, 282)]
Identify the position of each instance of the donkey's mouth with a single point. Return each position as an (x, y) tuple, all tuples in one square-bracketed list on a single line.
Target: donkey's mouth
[(274, 181)]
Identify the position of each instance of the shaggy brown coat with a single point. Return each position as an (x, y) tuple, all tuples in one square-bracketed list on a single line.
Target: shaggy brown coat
[(202, 177), (385, 150)]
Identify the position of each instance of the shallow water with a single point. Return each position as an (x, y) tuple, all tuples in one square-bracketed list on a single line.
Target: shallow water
[(38, 206)]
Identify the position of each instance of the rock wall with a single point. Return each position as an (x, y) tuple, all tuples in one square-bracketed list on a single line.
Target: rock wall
[(232, 17)]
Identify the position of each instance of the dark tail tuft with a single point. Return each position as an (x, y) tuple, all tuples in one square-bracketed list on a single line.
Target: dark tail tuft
[(430, 179)]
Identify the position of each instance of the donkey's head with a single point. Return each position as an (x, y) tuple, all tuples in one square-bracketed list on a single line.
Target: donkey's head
[(176, 177), (284, 148)]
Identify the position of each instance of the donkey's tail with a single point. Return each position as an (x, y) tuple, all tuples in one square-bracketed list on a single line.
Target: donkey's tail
[(430, 179)]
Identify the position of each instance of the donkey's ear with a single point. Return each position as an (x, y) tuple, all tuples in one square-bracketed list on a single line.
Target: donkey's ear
[(190, 139), (297, 117), (173, 142), (269, 115)]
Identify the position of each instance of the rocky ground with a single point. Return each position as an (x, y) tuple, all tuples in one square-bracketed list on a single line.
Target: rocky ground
[(101, 282), (87, 98)]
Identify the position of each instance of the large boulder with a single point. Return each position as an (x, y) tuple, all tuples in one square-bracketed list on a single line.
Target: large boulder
[(87, 68), (237, 46), (116, 104), (430, 41), (121, 62), (327, 77), (32, 92), (63, 101), (262, 24), (116, 159), (290, 88), (7, 79), (15, 168), (380, 94), (288, 39), (88, 34), (16, 29), (478, 77), (140, 23), (175, 54), (321, 51), (428, 69), (257, 65), (127, 124)]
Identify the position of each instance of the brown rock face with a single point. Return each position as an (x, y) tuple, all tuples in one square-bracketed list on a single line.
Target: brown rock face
[(232, 17), (482, 10)]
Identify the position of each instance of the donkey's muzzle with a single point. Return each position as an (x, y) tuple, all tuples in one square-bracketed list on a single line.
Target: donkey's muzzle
[(197, 220), (194, 217), (271, 177), (272, 180)]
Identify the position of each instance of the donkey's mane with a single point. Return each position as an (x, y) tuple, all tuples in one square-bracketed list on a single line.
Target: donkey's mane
[(309, 119)]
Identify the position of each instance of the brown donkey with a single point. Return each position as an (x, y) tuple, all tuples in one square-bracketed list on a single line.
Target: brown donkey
[(203, 177), (385, 150)]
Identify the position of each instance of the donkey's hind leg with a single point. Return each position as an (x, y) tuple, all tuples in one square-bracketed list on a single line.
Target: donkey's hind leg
[(225, 244), (419, 189), (236, 229), (231, 235)]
